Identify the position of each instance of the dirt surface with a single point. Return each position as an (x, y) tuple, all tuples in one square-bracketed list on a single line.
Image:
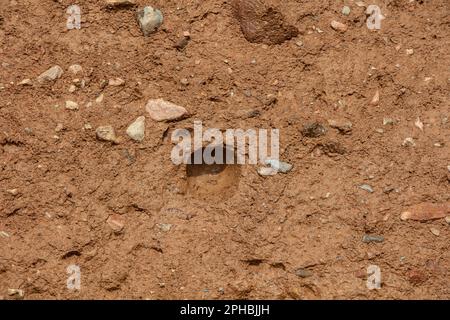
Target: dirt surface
[(141, 227)]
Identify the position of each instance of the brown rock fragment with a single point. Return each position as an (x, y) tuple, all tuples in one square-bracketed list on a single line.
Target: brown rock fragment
[(262, 23), (426, 211)]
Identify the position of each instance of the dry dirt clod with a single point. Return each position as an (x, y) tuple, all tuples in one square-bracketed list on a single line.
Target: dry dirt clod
[(313, 130), (338, 26), (262, 23), (149, 20), (106, 133), (136, 130), (51, 74), (161, 110), (426, 211)]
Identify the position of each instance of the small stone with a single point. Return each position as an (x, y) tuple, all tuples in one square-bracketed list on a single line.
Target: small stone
[(16, 293), (106, 133), (75, 68), (409, 52), (447, 219), (279, 166), (116, 223), (366, 187), (13, 192), (346, 10), (435, 231), (345, 127), (119, 3), (338, 26), (116, 82), (136, 130), (164, 227), (99, 99), (426, 211), (51, 74), (265, 171), (313, 130), (59, 127), (182, 42), (26, 82), (419, 124), (72, 88), (408, 142), (71, 105), (184, 82), (367, 238), (87, 126), (161, 110), (303, 273), (388, 121), (4, 234), (448, 168), (149, 20), (375, 99)]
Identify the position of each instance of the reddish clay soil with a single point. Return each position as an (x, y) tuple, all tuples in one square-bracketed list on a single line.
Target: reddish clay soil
[(140, 227)]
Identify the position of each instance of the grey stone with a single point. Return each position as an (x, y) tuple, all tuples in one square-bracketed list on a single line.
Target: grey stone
[(149, 20), (367, 238), (51, 74)]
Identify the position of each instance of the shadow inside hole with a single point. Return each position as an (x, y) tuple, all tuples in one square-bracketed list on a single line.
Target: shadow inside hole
[(212, 181)]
